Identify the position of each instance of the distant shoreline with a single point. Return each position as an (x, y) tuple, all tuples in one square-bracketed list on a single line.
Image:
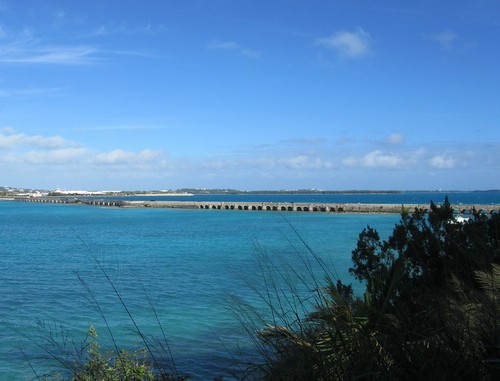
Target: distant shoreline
[(156, 194), (7, 192), (297, 192)]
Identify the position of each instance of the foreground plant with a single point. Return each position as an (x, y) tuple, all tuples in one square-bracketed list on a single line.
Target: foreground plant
[(99, 365), (106, 367), (431, 309)]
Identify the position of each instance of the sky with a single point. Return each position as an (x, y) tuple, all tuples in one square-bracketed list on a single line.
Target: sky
[(250, 94)]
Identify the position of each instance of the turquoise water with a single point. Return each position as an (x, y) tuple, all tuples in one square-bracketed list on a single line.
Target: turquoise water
[(189, 262)]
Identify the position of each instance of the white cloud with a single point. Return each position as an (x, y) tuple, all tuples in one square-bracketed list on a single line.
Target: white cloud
[(123, 29), (60, 55), (25, 48), (348, 44), (218, 164), (374, 159), (445, 38), (121, 157), (56, 156), (233, 46), (10, 140), (266, 164), (442, 162), (50, 55), (126, 29), (36, 149), (305, 162)]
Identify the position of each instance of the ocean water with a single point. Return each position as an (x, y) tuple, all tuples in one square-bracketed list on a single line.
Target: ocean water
[(190, 265), (479, 197)]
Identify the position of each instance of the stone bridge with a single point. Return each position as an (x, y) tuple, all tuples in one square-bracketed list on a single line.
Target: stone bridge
[(263, 206), (69, 200), (307, 207)]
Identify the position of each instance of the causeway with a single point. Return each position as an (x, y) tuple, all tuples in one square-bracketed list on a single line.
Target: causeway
[(263, 206)]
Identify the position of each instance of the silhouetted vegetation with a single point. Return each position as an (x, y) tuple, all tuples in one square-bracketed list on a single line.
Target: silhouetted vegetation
[(431, 309)]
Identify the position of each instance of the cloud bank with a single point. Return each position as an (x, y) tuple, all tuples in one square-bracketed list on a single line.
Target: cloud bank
[(325, 164)]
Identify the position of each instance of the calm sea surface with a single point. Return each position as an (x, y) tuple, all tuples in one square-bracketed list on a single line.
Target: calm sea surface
[(189, 263), (370, 198)]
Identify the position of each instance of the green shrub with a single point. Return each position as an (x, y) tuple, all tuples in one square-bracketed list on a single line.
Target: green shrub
[(124, 366), (431, 309)]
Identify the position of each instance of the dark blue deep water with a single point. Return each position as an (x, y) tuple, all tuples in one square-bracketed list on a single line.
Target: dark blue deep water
[(479, 197), (190, 264)]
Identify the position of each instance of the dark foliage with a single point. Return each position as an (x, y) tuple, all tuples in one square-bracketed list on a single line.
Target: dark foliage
[(430, 310)]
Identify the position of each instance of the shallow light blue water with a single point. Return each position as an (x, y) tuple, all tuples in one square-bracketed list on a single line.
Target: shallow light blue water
[(190, 262)]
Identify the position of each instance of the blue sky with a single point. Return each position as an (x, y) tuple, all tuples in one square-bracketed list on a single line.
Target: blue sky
[(250, 94)]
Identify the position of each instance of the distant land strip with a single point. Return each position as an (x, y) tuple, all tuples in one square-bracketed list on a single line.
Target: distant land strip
[(264, 206)]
